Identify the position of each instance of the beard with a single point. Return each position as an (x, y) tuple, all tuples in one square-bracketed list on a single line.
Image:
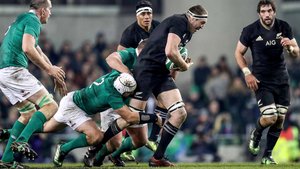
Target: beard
[(268, 22)]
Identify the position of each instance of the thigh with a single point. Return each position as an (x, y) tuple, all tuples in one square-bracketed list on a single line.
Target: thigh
[(88, 127), (169, 98), (282, 96), (264, 96), (69, 113), (53, 126)]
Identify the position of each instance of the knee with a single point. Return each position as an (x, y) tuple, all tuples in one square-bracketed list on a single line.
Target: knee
[(269, 114), (178, 111), (139, 142), (179, 114), (24, 118), (94, 137), (115, 144), (48, 101)]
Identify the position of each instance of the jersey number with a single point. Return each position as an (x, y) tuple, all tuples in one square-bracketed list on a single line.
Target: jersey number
[(96, 83), (7, 30)]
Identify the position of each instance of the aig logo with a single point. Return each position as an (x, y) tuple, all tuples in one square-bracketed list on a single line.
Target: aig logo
[(270, 43)]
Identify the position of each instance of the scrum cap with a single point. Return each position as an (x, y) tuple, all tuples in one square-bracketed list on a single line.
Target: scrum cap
[(125, 83)]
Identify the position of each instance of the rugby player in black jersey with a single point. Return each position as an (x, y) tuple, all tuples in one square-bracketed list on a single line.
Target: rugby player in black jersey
[(154, 78), (267, 38), (132, 36)]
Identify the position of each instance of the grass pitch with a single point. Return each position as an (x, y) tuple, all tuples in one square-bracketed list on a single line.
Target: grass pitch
[(183, 166)]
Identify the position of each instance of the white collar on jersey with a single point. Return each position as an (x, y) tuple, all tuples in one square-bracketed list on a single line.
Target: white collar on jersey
[(32, 11)]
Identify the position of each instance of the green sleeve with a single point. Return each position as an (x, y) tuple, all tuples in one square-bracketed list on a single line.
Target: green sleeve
[(116, 102), (33, 27)]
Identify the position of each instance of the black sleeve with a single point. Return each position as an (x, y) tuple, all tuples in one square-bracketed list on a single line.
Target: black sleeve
[(245, 37), (287, 31), (127, 39), (178, 26)]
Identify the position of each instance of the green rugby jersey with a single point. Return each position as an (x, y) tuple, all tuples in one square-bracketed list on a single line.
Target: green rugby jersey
[(101, 94), (11, 53), (128, 57)]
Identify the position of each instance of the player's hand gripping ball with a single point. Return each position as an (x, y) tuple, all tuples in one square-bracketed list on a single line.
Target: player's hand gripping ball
[(184, 54)]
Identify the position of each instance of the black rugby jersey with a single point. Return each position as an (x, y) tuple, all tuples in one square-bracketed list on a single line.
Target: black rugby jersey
[(153, 56), (267, 52), (133, 34)]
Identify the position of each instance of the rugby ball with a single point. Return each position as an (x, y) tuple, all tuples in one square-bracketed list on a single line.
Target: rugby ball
[(184, 54)]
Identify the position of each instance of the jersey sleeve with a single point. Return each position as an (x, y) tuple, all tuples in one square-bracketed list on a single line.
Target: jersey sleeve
[(245, 37), (288, 31), (179, 27), (32, 27), (115, 102), (127, 39), (127, 57)]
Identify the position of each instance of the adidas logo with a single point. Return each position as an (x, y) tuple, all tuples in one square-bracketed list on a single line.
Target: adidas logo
[(259, 38)]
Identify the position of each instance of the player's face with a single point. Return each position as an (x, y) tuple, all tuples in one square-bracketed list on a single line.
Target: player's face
[(144, 19), (46, 12), (267, 15), (197, 24)]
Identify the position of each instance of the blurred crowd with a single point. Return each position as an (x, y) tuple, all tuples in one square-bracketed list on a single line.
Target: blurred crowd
[(221, 109)]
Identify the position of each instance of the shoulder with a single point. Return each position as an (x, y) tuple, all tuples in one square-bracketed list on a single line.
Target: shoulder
[(252, 26), (131, 28), (155, 23), (282, 23)]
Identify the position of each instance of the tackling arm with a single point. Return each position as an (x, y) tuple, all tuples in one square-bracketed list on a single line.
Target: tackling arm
[(115, 62)]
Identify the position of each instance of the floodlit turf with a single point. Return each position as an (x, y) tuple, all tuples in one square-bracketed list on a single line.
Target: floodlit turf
[(186, 166)]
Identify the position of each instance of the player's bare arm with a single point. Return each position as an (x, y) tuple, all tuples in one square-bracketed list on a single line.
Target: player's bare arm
[(291, 46), (120, 47), (115, 62), (32, 53), (172, 51), (135, 117), (60, 87), (250, 79)]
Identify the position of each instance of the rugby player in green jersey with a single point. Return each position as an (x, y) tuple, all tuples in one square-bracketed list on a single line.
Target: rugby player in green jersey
[(22, 89), (108, 91)]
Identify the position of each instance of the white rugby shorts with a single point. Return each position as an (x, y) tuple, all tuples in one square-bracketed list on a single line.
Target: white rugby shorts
[(69, 113), (18, 84), (107, 117)]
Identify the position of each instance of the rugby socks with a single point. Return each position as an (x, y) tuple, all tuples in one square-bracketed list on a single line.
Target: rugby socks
[(15, 131), (126, 146), (155, 128), (102, 153), (167, 135), (75, 143), (272, 137), (35, 124), (112, 130), (259, 129)]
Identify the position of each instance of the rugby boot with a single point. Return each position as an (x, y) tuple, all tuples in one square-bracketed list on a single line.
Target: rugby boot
[(127, 156), (89, 156), (24, 149), (253, 145), (267, 160), (164, 162), (59, 156), (117, 161), (151, 145)]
